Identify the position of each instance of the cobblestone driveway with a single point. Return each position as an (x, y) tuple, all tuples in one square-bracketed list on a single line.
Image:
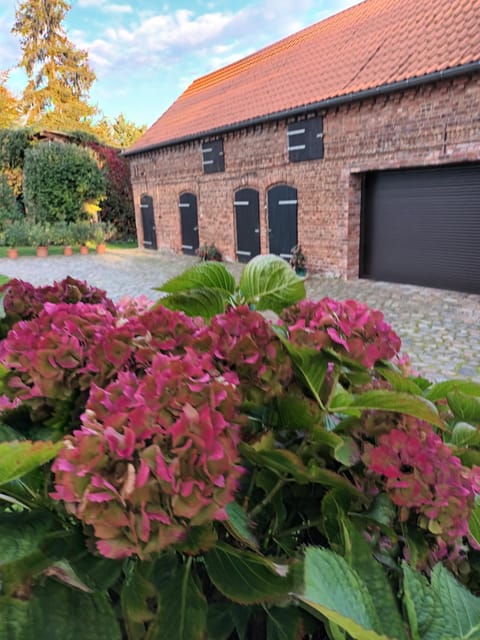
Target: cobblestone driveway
[(439, 329)]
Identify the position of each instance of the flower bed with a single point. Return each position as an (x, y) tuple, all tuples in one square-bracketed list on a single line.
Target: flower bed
[(192, 470)]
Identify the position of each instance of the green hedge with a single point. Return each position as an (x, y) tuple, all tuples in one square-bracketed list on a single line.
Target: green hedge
[(58, 180)]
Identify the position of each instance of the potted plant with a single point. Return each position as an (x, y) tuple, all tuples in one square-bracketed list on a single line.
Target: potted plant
[(16, 234), (298, 261), (82, 234), (209, 252), (62, 235), (41, 235), (98, 236)]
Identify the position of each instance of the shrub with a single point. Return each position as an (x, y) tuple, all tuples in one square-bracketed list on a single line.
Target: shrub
[(18, 234), (9, 210), (223, 476), (117, 208), (58, 180)]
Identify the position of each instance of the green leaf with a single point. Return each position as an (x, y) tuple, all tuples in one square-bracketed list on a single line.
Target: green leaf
[(245, 577), (398, 381), (442, 610), (57, 612), (238, 524), (283, 623), (22, 533), (205, 275), (268, 282), (309, 365), (334, 590), (226, 617), (393, 401), (7, 434), (464, 407), (442, 389), (359, 557), (182, 613), (474, 522), (347, 452), (464, 434), (281, 461), (18, 458), (136, 591), (197, 302)]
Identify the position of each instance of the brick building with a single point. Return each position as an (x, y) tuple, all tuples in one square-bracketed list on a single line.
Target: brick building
[(358, 137)]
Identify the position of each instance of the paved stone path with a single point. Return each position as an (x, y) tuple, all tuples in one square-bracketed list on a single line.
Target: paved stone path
[(439, 329)]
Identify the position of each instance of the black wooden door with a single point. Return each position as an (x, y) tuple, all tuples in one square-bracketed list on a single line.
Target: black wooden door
[(247, 221), (282, 219), (189, 223), (422, 226), (148, 222)]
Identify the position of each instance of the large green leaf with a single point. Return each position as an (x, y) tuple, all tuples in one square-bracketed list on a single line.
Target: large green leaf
[(398, 380), (245, 577), (464, 434), (442, 389), (205, 275), (268, 282), (310, 367), (197, 302), (335, 590), (226, 617), (283, 623), (22, 533), (281, 461), (359, 557), (474, 522), (442, 610), (57, 612), (238, 524), (464, 407), (393, 401), (18, 458), (182, 612)]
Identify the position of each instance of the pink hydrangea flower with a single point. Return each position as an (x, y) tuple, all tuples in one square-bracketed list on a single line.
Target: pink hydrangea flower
[(242, 340), (347, 326), (423, 477), (155, 456)]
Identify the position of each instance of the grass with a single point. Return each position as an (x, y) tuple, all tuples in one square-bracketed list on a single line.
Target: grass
[(58, 251)]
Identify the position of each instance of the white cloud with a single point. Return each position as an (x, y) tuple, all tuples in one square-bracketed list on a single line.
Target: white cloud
[(117, 8)]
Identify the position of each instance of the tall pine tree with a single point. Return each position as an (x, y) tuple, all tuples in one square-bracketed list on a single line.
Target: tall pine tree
[(59, 76)]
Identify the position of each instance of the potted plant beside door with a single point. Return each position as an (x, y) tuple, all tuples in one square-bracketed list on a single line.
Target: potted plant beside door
[(298, 261)]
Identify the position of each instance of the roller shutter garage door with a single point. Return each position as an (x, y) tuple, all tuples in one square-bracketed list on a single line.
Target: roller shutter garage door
[(422, 226)]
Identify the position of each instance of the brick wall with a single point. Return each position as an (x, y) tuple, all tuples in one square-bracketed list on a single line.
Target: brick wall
[(430, 125)]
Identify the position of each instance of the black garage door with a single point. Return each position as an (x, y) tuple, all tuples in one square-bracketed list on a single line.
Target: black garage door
[(422, 226)]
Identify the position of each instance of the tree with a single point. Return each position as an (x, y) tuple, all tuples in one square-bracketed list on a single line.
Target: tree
[(119, 133), (59, 76), (8, 104)]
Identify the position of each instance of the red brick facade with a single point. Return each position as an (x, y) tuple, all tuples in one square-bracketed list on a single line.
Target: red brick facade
[(434, 124)]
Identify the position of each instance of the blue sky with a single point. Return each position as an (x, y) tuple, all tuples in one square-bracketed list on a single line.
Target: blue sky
[(146, 52)]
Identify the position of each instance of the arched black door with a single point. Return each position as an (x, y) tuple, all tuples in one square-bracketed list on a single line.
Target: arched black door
[(282, 219), (247, 222), (148, 222), (189, 223)]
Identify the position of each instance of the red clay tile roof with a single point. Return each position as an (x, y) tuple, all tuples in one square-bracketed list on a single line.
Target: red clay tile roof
[(372, 44)]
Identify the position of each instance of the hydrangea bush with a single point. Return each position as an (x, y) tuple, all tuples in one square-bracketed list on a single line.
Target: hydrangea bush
[(191, 470)]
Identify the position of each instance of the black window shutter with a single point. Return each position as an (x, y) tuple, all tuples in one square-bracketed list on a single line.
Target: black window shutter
[(212, 156), (305, 140)]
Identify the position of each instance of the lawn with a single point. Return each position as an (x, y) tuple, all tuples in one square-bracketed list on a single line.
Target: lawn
[(58, 251)]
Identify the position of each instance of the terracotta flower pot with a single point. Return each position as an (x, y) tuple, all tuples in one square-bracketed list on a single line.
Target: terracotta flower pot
[(42, 252), (67, 250), (100, 248), (12, 253), (84, 250)]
